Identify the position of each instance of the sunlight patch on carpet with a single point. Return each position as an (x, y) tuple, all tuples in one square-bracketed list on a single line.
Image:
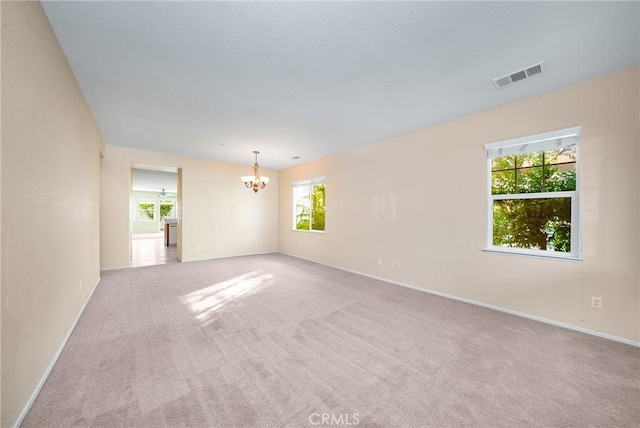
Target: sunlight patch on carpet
[(206, 301)]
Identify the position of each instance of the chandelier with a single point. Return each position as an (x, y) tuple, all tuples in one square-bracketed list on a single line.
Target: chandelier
[(255, 181)]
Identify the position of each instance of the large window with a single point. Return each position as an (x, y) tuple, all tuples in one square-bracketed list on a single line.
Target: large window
[(533, 195), (167, 209), (309, 204), (146, 210)]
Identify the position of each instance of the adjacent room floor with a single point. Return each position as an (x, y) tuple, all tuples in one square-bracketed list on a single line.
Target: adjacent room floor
[(148, 249), (274, 341)]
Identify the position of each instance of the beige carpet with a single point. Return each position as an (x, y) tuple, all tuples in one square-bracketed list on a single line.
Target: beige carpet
[(273, 341)]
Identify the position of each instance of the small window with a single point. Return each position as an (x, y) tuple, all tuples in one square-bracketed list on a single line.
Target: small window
[(167, 209), (146, 210), (309, 205), (533, 195)]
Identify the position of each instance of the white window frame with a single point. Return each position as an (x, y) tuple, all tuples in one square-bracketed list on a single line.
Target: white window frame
[(171, 202), (146, 201), (529, 144), (307, 182)]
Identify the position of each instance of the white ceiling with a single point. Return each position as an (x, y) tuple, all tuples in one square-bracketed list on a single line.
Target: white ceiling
[(154, 181), (219, 79)]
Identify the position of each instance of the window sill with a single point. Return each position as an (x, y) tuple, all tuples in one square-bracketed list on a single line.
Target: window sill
[(321, 232), (533, 254)]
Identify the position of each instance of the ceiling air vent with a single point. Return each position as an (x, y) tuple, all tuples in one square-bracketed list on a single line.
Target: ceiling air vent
[(518, 76)]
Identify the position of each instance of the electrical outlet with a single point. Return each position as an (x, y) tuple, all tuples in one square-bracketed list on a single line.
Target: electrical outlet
[(596, 302), (379, 261), (396, 265)]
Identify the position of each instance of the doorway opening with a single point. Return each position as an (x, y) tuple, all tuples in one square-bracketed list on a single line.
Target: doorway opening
[(154, 215)]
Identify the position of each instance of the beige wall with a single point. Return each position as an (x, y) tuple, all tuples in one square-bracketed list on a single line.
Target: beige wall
[(50, 175), (420, 199), (220, 217)]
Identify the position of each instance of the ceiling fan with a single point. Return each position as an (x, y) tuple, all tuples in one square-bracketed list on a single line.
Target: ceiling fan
[(164, 194)]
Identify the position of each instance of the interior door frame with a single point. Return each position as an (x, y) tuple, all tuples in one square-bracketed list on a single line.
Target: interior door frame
[(162, 168)]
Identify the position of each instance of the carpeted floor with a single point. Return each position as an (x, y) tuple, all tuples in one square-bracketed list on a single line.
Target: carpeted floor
[(273, 341)]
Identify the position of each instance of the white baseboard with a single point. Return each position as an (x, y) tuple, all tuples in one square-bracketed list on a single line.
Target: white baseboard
[(195, 260), (33, 397), (230, 257), (477, 303), (114, 268)]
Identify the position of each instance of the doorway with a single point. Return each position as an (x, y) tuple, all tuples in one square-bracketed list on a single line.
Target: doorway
[(154, 215)]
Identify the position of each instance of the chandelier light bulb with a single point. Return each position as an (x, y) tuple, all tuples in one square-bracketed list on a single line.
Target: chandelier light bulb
[(255, 181)]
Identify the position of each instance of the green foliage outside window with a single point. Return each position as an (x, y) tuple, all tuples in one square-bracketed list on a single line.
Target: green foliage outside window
[(310, 209), (538, 223), (147, 210), (165, 210)]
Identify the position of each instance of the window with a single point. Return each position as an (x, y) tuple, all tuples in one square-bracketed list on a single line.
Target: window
[(167, 209), (309, 204), (533, 195), (146, 210)]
